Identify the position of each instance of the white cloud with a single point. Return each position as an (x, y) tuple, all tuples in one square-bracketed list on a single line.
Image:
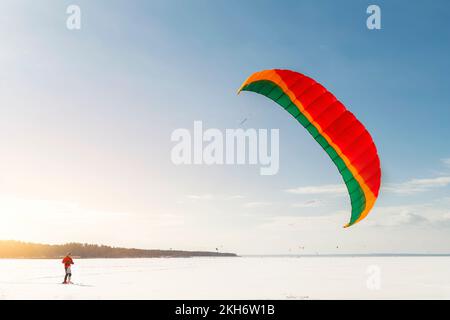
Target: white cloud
[(429, 214), (393, 216), (412, 186), (335, 189), (446, 162), (305, 223), (238, 196), (308, 204), (417, 185), (257, 204), (200, 196)]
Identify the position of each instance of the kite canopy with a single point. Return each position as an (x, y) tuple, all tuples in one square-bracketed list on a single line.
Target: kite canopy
[(336, 129)]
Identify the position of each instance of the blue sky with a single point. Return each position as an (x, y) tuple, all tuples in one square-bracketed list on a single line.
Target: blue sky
[(88, 115)]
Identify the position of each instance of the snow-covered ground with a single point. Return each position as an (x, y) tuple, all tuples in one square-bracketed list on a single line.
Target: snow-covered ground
[(230, 278)]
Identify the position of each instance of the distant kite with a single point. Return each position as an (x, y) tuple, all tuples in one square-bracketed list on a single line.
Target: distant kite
[(336, 129)]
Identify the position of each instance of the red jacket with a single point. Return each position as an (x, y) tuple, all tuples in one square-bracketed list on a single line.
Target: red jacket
[(67, 261)]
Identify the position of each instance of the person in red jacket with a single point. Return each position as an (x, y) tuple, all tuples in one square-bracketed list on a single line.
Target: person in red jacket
[(67, 261)]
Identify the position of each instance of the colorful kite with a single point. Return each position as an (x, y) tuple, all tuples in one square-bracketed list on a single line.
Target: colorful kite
[(336, 129)]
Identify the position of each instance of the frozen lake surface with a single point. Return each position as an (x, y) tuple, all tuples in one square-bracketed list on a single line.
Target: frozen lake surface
[(230, 278)]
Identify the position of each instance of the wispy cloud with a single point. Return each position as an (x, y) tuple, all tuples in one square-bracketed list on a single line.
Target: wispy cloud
[(414, 186), (308, 204), (335, 189), (200, 196), (237, 196), (304, 223), (257, 204), (446, 162), (410, 215), (394, 216)]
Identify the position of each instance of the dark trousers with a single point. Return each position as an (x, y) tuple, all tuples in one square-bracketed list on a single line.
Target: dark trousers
[(68, 275)]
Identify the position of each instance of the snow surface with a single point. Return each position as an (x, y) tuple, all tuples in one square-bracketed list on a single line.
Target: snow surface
[(230, 278)]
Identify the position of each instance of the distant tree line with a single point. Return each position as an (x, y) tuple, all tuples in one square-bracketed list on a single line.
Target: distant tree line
[(17, 249)]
